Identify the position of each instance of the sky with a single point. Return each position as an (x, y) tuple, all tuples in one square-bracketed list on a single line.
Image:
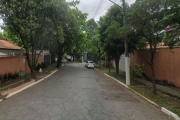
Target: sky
[(91, 7)]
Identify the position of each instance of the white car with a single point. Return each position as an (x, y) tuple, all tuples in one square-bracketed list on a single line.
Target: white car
[(89, 64)]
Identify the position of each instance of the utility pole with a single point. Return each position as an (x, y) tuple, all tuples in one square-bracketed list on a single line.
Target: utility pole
[(126, 45)]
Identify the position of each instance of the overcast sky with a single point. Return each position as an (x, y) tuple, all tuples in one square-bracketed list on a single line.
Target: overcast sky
[(91, 6)]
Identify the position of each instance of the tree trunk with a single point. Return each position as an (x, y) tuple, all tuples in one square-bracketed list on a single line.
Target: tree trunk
[(52, 58), (30, 65), (59, 56), (117, 63), (109, 66), (73, 57), (153, 79), (99, 58)]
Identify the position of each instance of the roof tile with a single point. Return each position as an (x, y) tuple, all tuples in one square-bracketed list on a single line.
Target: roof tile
[(7, 45)]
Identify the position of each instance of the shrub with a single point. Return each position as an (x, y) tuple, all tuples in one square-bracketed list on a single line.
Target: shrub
[(28, 77), (1, 78), (9, 76), (42, 65), (21, 73), (15, 75), (37, 67), (137, 71), (5, 77)]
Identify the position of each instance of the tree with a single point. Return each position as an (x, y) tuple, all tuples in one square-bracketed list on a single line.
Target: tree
[(68, 27), (110, 28), (25, 20), (92, 27), (79, 32), (98, 47), (146, 18), (2, 37), (58, 11), (94, 45), (172, 22)]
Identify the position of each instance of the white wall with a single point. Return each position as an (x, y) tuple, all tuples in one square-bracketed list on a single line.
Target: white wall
[(121, 63)]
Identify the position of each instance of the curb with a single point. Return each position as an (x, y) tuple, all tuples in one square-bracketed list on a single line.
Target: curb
[(170, 113), (153, 103), (26, 87)]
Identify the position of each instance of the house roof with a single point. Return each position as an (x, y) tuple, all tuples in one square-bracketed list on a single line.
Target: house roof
[(7, 45)]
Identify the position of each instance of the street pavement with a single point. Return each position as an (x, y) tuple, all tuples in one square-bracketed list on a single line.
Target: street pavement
[(78, 93)]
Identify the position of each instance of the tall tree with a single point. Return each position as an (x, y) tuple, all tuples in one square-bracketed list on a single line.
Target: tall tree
[(110, 28), (92, 27), (78, 33), (68, 27), (146, 17), (94, 45), (25, 20), (58, 11)]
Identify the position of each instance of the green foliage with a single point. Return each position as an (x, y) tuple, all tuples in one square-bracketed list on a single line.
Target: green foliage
[(94, 45), (28, 77), (2, 37), (26, 23), (137, 71), (52, 25), (21, 73), (146, 17), (110, 29), (8, 76), (172, 22), (92, 27), (172, 36), (5, 77), (1, 79)]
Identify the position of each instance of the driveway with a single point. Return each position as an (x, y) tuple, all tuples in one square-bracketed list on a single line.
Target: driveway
[(78, 93)]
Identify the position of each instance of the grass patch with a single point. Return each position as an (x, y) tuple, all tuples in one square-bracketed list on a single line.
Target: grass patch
[(5, 89), (122, 78), (164, 100)]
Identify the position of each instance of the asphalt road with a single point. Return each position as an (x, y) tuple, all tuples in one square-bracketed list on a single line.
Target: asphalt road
[(78, 93)]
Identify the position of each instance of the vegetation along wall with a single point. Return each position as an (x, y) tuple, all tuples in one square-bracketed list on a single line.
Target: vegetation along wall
[(12, 64), (167, 64)]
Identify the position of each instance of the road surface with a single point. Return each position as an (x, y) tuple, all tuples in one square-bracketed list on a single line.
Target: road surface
[(78, 93)]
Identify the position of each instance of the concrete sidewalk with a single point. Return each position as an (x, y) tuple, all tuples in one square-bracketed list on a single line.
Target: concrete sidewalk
[(167, 89), (39, 77)]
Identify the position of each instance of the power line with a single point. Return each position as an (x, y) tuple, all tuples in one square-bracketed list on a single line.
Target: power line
[(104, 9), (100, 3)]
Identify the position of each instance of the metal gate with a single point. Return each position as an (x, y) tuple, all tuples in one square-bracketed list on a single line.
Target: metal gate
[(47, 59)]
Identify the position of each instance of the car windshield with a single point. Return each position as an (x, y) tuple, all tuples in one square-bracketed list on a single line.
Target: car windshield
[(90, 62)]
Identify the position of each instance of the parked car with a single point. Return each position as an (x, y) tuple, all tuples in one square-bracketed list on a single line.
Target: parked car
[(89, 64)]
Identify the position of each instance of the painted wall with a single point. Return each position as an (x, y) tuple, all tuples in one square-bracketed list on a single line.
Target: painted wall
[(167, 64), (12, 64), (15, 64)]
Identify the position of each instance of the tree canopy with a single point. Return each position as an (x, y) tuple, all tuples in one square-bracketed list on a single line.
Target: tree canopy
[(38, 24), (62, 28), (146, 18)]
